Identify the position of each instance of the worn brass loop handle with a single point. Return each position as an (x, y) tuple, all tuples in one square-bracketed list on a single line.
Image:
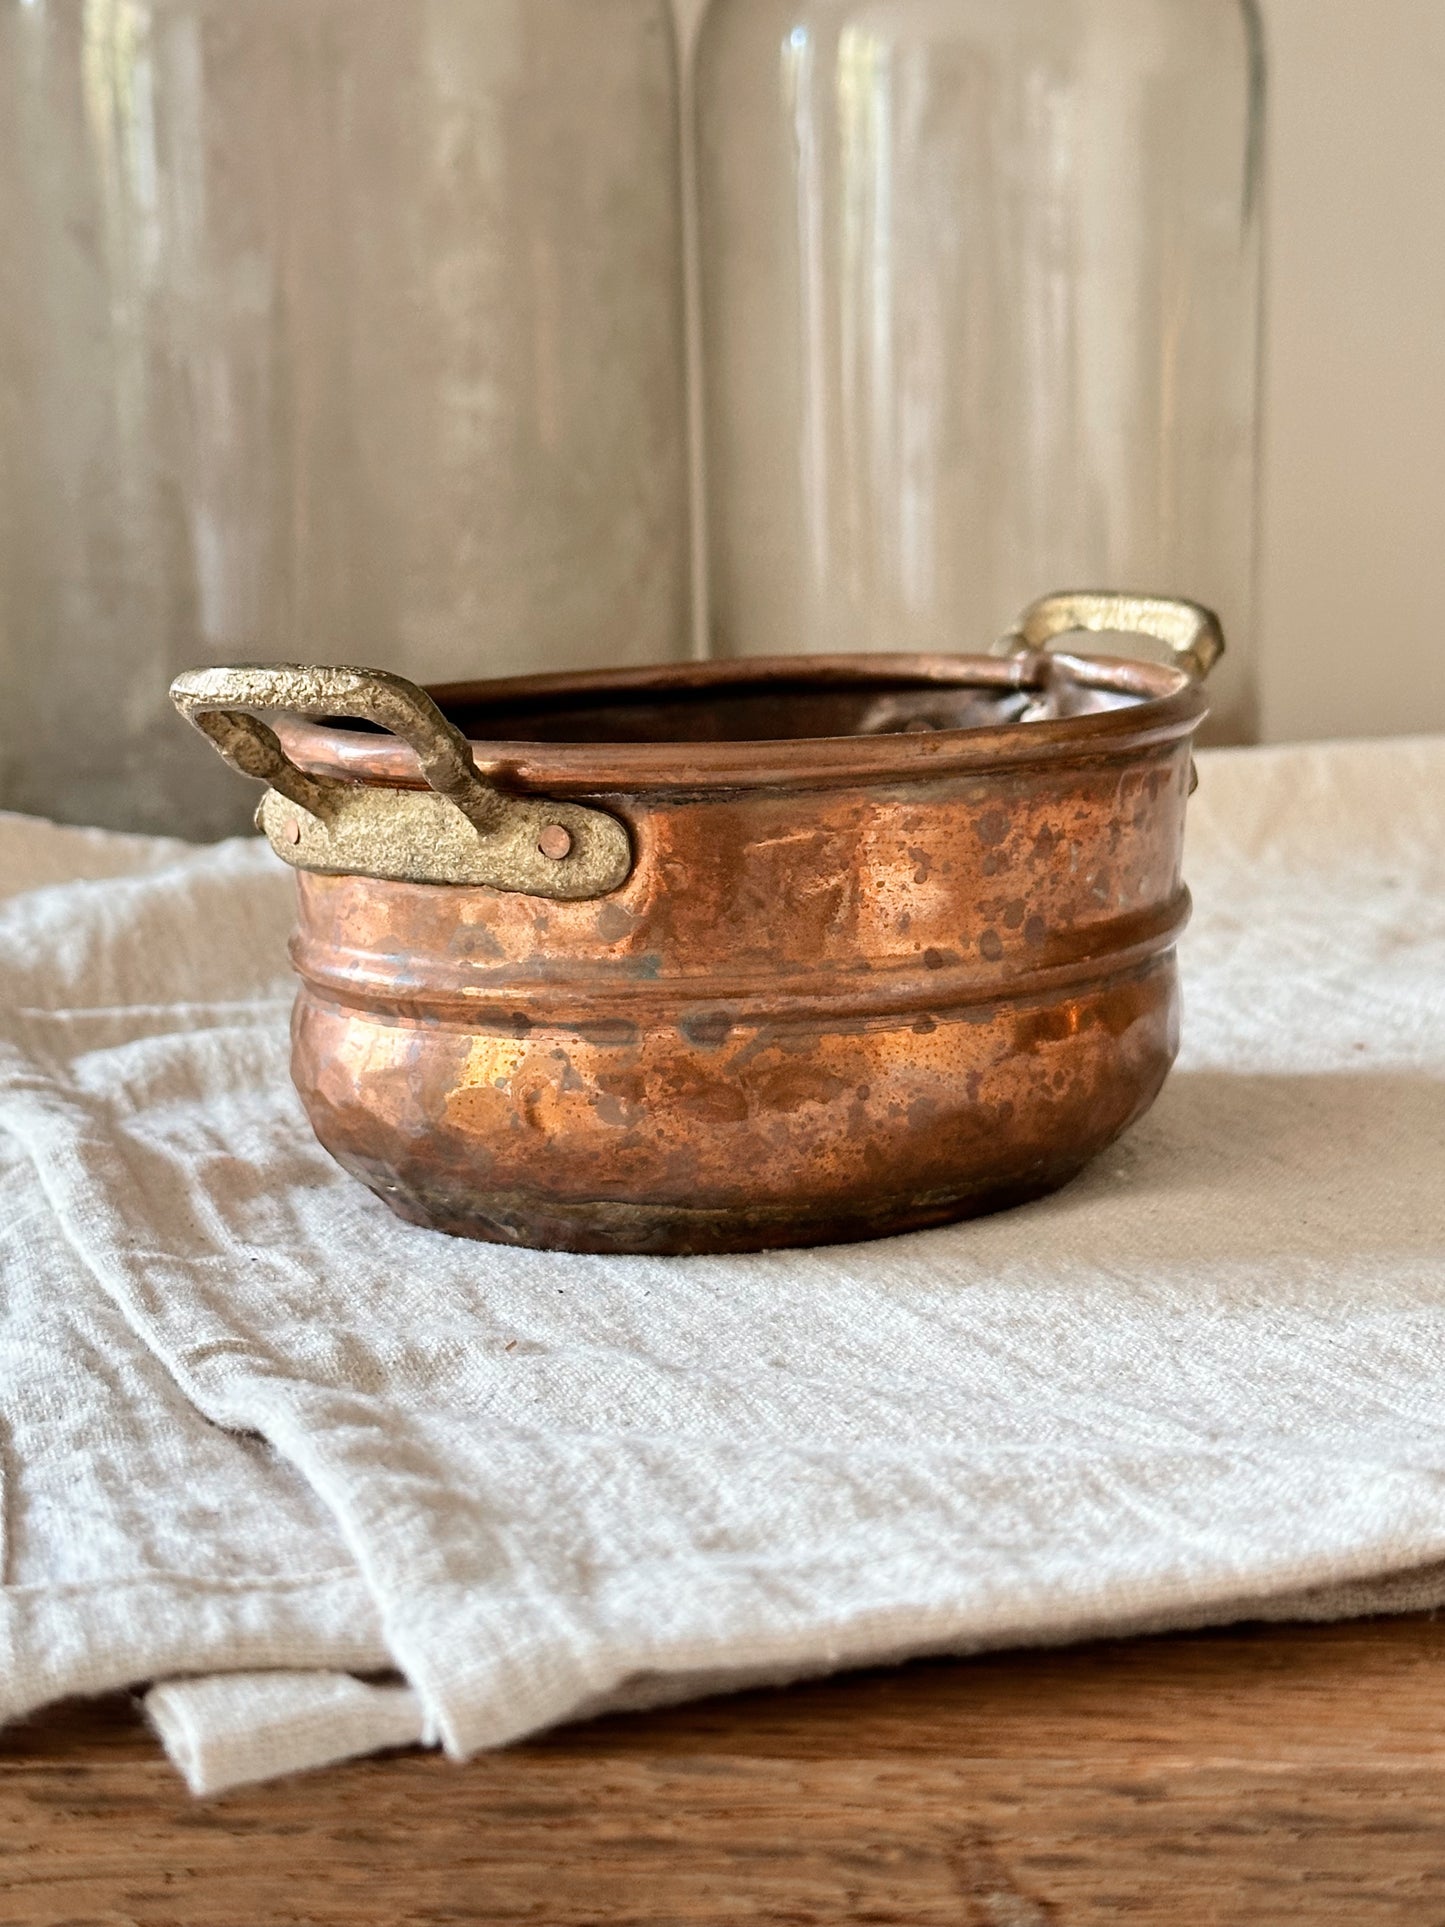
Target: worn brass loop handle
[(220, 703), (459, 830), (1189, 631)]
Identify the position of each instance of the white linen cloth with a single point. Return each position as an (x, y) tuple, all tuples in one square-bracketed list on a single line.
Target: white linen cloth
[(309, 1442)]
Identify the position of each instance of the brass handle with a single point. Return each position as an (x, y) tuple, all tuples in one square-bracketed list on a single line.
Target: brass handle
[(460, 830), (1190, 631)]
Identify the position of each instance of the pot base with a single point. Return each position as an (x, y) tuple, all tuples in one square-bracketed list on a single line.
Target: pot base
[(680, 1140), (621, 1229)]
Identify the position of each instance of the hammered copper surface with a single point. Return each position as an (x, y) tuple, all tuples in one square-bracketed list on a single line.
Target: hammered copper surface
[(856, 983)]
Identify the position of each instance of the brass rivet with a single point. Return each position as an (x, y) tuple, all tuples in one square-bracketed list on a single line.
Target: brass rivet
[(555, 842), (293, 831)]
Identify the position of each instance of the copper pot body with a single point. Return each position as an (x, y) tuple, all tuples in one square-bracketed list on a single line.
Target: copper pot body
[(908, 959)]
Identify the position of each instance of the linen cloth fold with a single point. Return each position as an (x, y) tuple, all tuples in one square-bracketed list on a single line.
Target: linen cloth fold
[(1201, 1383), (135, 1538)]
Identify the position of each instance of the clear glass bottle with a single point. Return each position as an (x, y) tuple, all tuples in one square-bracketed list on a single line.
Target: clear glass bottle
[(980, 309), (330, 330)]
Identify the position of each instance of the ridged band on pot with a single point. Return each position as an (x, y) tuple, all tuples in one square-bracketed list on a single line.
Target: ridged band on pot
[(849, 985)]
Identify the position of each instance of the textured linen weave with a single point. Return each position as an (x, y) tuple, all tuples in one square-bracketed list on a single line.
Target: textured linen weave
[(263, 1443)]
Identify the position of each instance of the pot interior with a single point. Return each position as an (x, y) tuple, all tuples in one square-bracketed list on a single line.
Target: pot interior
[(752, 702)]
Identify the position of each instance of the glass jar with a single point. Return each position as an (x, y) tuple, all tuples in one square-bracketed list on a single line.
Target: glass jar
[(330, 330), (980, 307)]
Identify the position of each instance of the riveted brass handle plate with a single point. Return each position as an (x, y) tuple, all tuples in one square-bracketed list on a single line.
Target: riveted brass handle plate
[(460, 829), (1189, 631)]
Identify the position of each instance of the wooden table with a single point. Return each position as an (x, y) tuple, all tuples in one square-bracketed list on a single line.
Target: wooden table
[(1259, 1777)]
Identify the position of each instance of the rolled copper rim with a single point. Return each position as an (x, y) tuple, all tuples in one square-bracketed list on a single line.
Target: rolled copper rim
[(1164, 705)]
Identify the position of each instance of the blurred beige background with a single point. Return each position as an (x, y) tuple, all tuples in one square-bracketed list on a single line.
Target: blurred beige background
[(1353, 536), (1354, 504)]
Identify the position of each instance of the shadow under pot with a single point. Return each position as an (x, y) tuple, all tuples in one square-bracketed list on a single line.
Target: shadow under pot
[(723, 956)]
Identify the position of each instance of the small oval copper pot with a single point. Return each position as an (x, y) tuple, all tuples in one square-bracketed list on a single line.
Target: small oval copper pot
[(732, 955)]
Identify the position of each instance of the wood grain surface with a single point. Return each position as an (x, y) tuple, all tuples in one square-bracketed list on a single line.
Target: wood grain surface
[(1255, 1777)]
